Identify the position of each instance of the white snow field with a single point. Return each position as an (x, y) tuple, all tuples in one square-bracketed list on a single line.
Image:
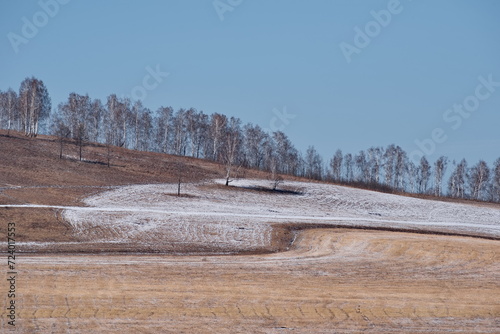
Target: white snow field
[(240, 219)]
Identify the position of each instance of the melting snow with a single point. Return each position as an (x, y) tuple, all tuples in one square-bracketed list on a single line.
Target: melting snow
[(213, 214)]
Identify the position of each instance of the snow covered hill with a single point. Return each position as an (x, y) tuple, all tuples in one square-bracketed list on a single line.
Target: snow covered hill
[(245, 216), (242, 217)]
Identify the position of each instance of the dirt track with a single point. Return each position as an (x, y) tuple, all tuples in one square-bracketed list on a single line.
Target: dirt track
[(332, 281)]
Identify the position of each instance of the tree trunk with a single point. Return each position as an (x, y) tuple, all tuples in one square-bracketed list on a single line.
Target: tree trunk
[(109, 155), (61, 148), (80, 142)]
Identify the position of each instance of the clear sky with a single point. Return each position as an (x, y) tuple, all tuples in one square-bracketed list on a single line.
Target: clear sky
[(349, 74)]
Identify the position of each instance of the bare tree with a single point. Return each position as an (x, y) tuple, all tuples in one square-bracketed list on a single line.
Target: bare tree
[(375, 157), (336, 165), (94, 120), (495, 182), (80, 135), (456, 183), (294, 162), (412, 176), (348, 168), (218, 124), (363, 170), (254, 138), (137, 112), (268, 153), (164, 128), (277, 180), (192, 127), (479, 176), (142, 126), (231, 146), (285, 152), (119, 116), (439, 170), (109, 142), (34, 105), (146, 129), (179, 126), (126, 121), (180, 168), (203, 135), (61, 130), (75, 115), (9, 113), (401, 160), (111, 119), (314, 164), (389, 165), (424, 174)]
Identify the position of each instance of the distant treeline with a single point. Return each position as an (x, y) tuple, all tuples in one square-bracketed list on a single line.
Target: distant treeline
[(217, 137)]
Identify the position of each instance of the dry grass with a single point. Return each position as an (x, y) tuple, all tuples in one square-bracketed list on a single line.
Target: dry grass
[(30, 164), (332, 281)]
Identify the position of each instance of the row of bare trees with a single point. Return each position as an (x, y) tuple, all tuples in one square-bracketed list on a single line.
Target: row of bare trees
[(217, 137), (26, 110), (391, 169)]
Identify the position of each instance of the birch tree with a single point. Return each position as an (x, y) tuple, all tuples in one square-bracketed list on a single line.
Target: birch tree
[(232, 142), (424, 174), (412, 177), (285, 152), (62, 131), (362, 168), (34, 105), (192, 128), (254, 138), (179, 127), (268, 153), (401, 161), (218, 124), (336, 166), (75, 115), (9, 110), (479, 176), (118, 119), (314, 164), (439, 170), (94, 120), (495, 182), (145, 129), (375, 156), (164, 128), (389, 165), (137, 113), (348, 168), (456, 183)]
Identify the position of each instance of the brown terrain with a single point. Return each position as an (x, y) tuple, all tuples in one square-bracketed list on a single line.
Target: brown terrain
[(310, 280)]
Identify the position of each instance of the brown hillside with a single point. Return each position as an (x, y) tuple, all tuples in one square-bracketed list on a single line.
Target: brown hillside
[(31, 171)]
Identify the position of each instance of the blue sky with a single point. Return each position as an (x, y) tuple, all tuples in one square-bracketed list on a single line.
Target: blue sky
[(264, 57)]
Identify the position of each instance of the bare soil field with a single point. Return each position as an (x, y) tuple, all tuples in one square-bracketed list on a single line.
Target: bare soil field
[(331, 281), (111, 250)]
